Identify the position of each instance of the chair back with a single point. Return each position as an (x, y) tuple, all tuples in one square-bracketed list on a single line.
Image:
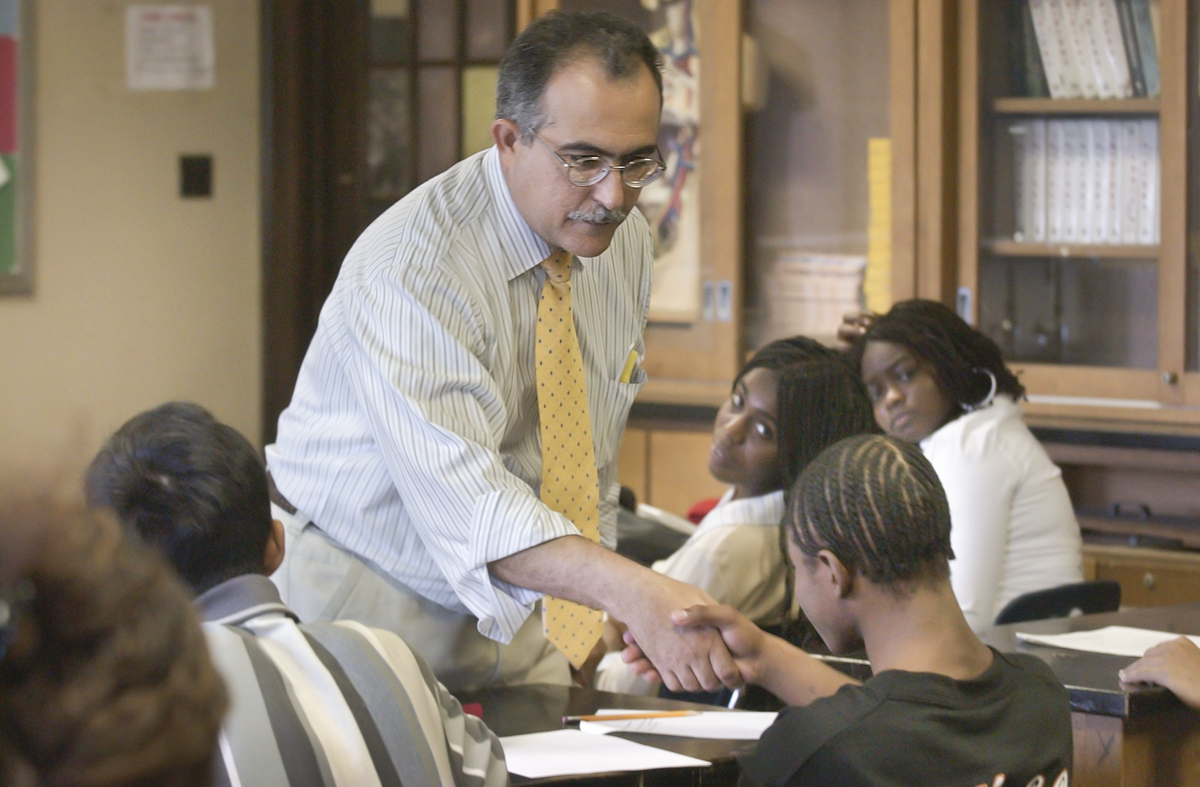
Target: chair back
[(1103, 595)]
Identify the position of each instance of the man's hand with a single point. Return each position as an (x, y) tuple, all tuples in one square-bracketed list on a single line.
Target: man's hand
[(684, 658), (574, 568), (762, 659), (854, 325), (1174, 665)]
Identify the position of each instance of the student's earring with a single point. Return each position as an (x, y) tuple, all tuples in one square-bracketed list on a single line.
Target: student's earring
[(985, 401)]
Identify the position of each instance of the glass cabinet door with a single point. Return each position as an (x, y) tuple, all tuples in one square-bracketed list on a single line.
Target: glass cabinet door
[(1072, 172)]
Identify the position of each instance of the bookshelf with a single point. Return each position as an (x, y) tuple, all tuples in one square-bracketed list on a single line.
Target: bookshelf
[(1085, 288), (1010, 105)]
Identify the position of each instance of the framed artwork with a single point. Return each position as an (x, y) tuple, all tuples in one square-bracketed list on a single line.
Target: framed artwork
[(694, 337), (16, 263), (672, 203)]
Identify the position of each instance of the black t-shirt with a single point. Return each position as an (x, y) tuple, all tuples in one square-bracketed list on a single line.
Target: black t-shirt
[(916, 728)]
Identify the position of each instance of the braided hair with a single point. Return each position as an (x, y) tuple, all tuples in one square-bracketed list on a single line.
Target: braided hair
[(958, 355), (876, 503)]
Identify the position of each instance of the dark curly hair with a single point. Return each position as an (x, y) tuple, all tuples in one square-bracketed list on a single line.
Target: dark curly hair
[(876, 503), (955, 352)]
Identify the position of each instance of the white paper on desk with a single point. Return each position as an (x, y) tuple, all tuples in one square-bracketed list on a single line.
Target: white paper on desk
[(722, 725), (1113, 640), (571, 752)]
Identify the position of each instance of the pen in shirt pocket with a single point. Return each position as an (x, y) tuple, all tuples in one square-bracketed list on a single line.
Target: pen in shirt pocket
[(630, 363)]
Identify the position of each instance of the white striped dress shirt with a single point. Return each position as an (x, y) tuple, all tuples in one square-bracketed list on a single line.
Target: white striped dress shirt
[(412, 435)]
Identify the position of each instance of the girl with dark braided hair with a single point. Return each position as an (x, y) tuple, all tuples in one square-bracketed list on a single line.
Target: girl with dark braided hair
[(869, 534), (793, 398), (937, 382)]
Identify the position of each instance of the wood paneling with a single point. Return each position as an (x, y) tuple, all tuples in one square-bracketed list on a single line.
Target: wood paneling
[(678, 470)]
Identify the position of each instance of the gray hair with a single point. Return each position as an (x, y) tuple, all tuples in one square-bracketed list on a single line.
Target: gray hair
[(557, 39)]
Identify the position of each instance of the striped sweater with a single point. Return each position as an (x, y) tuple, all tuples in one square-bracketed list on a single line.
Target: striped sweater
[(333, 703)]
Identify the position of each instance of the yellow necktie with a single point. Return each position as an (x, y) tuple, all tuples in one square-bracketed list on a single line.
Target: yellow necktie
[(570, 484)]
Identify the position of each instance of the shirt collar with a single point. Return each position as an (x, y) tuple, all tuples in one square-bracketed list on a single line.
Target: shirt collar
[(237, 600), (525, 248), (763, 510)]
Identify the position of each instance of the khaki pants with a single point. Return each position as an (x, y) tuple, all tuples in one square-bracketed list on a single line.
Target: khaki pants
[(321, 581)]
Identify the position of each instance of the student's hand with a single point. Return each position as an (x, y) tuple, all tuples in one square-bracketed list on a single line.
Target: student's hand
[(1174, 665), (683, 658), (746, 641), (854, 325)]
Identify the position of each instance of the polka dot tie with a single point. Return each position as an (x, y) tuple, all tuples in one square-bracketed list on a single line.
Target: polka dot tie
[(569, 481)]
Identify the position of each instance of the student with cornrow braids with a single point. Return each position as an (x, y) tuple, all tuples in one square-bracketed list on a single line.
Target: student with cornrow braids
[(869, 534), (937, 382), (793, 398)]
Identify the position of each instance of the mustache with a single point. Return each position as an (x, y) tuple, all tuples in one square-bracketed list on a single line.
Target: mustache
[(599, 215)]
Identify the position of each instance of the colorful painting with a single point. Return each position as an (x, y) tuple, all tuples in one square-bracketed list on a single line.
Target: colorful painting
[(14, 272), (672, 203)]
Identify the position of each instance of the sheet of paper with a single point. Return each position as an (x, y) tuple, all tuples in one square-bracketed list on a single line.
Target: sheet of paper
[(571, 752), (169, 47), (732, 725), (1114, 640)]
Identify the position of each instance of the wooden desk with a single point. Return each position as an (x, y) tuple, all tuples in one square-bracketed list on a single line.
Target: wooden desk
[(523, 709), (1124, 735)]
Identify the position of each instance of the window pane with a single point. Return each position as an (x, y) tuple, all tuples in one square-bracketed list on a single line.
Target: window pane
[(437, 120), (389, 31), (1090, 312), (488, 30), (437, 29), (478, 108), (388, 128)]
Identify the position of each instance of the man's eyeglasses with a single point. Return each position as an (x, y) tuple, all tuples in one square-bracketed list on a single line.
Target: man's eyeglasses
[(590, 170)]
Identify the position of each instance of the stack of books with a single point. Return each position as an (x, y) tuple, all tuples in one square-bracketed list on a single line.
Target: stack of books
[(808, 292), (1091, 182), (1089, 48)]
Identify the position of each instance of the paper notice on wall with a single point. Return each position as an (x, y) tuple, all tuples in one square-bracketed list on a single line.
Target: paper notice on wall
[(169, 47)]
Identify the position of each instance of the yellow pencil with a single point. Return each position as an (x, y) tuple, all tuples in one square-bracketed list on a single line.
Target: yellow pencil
[(666, 714)]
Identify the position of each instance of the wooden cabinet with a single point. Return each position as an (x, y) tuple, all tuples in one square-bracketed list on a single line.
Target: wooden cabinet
[(667, 466), (1148, 577), (1098, 323)]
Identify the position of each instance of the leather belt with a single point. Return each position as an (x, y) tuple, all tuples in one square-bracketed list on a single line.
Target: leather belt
[(277, 497)]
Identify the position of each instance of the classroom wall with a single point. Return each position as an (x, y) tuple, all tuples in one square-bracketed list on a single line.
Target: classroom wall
[(141, 296)]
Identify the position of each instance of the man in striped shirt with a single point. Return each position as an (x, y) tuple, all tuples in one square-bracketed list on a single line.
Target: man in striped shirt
[(312, 704), (408, 463)]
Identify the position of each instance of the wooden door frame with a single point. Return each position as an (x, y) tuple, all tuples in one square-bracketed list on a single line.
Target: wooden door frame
[(313, 126)]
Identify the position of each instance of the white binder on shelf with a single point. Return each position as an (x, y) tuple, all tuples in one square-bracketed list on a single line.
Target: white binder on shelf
[(1056, 177), (1036, 175), (1101, 180), (1148, 181), (1074, 151), (1043, 23), (1079, 33), (1110, 48), (1112, 166), (1131, 186)]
